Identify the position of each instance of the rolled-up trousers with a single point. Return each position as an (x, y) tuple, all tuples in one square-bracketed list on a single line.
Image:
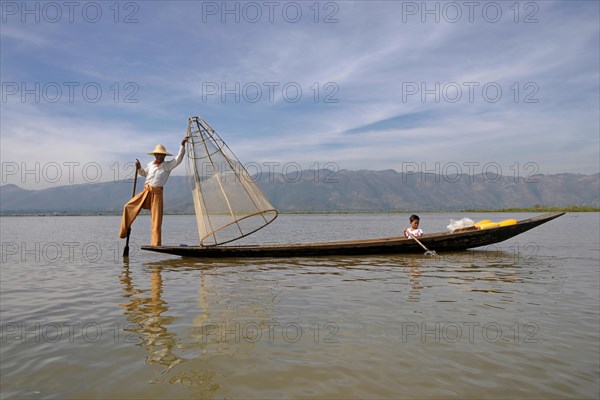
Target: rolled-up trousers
[(151, 198)]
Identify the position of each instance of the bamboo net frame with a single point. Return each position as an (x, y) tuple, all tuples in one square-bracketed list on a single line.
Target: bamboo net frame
[(229, 205)]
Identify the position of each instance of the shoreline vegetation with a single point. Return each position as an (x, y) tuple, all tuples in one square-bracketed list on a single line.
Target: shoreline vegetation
[(526, 209), (536, 208)]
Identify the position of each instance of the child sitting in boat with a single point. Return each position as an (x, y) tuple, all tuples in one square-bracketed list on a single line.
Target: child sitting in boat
[(414, 227)]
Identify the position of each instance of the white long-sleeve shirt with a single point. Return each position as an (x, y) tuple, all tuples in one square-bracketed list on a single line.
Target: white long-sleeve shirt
[(157, 175), (414, 232)]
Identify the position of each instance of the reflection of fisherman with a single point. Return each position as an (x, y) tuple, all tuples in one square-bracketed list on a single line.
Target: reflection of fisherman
[(157, 172), (148, 320)]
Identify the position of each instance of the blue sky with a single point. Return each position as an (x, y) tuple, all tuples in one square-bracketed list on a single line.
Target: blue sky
[(355, 85)]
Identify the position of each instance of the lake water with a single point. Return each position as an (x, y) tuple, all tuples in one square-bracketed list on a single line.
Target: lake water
[(516, 320)]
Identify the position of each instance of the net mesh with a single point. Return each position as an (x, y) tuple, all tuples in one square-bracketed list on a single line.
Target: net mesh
[(228, 203)]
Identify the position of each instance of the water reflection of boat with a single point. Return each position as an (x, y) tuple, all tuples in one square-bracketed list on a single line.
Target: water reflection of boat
[(440, 242)]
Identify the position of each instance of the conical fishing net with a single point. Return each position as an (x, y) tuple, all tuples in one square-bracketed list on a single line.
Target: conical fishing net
[(228, 203)]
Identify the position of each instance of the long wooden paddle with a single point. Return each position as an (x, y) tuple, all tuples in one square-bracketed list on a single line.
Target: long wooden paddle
[(427, 251), (126, 249)]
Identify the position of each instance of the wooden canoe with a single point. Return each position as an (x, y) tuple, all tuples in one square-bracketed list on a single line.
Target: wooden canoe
[(440, 242)]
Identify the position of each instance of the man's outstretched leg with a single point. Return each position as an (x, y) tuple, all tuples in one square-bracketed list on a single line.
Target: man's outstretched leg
[(131, 211)]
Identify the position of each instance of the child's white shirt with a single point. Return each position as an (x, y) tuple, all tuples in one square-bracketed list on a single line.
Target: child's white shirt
[(415, 232)]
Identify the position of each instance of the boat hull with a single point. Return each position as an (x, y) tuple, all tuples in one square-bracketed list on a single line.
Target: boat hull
[(440, 242)]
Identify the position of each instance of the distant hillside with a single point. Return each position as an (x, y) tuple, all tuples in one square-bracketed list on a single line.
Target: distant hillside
[(389, 190), (327, 191)]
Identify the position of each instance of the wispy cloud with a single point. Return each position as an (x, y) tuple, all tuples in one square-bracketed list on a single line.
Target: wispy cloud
[(377, 87)]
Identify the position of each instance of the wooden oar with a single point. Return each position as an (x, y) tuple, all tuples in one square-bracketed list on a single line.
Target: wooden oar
[(126, 249), (427, 251)]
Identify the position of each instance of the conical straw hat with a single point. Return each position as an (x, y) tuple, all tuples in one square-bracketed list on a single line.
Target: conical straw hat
[(160, 149)]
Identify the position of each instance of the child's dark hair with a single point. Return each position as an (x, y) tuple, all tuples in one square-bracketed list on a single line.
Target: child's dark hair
[(414, 217)]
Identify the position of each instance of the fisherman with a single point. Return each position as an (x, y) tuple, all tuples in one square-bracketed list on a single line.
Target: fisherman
[(157, 172)]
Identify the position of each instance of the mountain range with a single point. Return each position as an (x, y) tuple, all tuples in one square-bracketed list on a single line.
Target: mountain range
[(329, 191)]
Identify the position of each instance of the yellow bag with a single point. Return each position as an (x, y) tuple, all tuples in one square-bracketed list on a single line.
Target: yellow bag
[(488, 225), (483, 221)]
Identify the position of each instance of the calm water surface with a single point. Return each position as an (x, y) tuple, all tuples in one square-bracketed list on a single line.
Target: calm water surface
[(516, 320)]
